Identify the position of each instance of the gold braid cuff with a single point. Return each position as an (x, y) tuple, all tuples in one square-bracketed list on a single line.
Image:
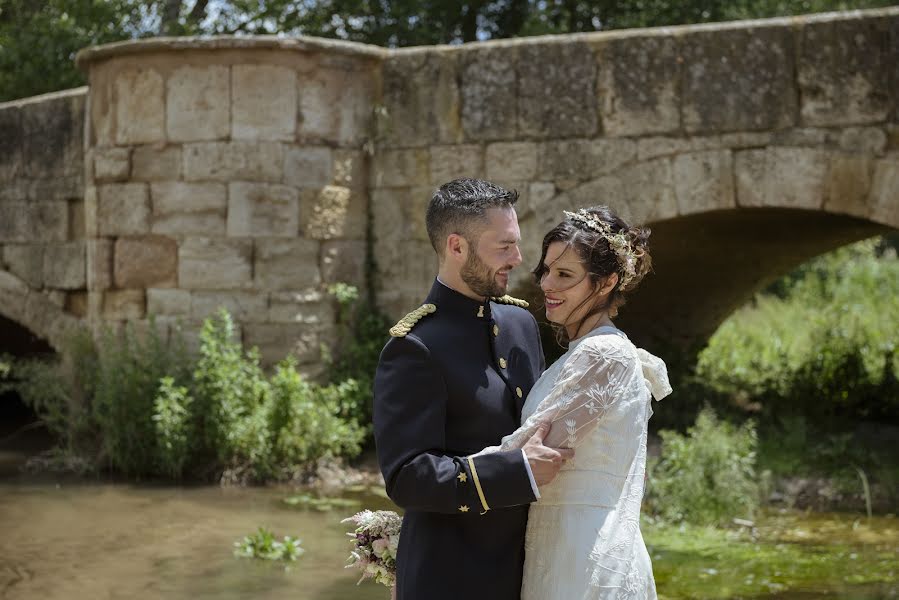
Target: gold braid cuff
[(507, 299), (405, 325), (477, 484)]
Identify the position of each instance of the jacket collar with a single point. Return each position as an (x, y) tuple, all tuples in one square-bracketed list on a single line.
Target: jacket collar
[(449, 300)]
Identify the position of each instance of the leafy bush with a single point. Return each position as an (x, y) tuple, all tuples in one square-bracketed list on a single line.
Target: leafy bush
[(707, 476)]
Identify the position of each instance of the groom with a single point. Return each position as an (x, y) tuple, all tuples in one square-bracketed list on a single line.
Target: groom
[(450, 382)]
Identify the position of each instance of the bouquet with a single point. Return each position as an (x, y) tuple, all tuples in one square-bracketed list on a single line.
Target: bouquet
[(376, 539)]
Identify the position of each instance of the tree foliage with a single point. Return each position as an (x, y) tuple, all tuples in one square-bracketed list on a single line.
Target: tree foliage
[(39, 38)]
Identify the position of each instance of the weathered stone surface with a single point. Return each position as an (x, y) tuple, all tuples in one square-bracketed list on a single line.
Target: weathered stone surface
[(286, 264), (350, 169), (654, 147), (123, 209), (489, 101), (308, 166), (638, 85), (849, 182), (335, 106), (704, 181), (343, 261), (197, 103), (168, 302), (334, 212), (262, 209), (399, 214), (11, 283), (53, 141), (228, 161), (124, 305), (582, 159), (64, 266), (421, 99), (182, 208), (844, 70), (884, 197), (146, 261), (156, 163), (276, 340), (76, 304), (784, 177), (26, 262), (77, 224), (15, 222), (34, 222), (11, 143), (511, 161), (247, 307), (263, 102), (309, 307), (556, 90), (863, 139), (214, 264), (99, 263), (738, 79), (400, 168), (112, 164), (140, 106), (451, 162)]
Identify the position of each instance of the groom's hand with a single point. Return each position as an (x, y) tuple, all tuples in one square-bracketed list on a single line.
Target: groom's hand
[(545, 461)]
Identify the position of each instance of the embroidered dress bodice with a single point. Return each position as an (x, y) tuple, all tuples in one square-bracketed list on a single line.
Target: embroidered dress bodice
[(583, 538)]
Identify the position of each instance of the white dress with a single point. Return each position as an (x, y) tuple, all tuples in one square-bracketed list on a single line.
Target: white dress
[(583, 537)]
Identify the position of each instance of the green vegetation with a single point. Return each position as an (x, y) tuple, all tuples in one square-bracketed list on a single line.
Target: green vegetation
[(39, 38), (264, 545)]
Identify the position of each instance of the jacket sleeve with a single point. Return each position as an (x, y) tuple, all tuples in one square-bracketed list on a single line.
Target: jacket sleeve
[(410, 407)]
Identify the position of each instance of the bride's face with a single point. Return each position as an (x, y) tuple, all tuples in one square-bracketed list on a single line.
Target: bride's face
[(569, 292)]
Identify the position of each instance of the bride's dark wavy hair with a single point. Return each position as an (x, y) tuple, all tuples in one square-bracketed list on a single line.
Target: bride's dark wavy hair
[(599, 258)]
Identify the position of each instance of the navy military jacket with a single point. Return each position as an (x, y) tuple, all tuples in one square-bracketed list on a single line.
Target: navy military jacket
[(452, 386)]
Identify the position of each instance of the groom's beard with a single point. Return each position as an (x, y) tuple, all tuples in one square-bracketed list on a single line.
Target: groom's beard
[(478, 276)]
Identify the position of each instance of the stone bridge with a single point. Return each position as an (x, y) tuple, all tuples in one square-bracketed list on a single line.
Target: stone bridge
[(253, 172)]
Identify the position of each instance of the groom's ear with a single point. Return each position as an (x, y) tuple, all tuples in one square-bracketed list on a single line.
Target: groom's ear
[(456, 247)]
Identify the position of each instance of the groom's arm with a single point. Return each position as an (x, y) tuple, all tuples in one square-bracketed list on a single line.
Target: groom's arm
[(410, 406)]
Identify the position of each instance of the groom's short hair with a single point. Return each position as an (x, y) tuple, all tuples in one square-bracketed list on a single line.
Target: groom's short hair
[(460, 206)]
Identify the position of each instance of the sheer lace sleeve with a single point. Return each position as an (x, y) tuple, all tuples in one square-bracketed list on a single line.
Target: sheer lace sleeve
[(587, 386)]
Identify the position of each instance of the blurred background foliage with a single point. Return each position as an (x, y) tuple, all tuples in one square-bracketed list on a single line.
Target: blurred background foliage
[(39, 38)]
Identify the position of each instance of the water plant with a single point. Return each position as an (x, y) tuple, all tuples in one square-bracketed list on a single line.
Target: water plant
[(263, 544)]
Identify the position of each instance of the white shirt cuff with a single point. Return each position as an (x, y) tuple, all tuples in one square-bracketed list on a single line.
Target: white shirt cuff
[(527, 466)]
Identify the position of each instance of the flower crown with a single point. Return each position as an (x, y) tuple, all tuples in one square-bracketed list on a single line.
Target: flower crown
[(618, 242)]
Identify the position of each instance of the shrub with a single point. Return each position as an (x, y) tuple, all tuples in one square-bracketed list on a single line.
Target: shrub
[(707, 476)]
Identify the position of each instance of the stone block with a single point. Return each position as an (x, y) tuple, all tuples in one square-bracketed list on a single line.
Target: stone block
[(870, 140), (308, 307), (16, 222), (34, 222), (400, 168), (145, 261), (451, 162), (77, 220), (638, 84), (198, 103), (488, 84), (229, 161), (65, 266), (511, 161), (704, 181), (782, 177), (557, 90), (246, 307), (399, 214), (25, 261), (156, 163), (11, 283), (335, 106), (139, 106), (181, 208), (11, 143), (112, 164), (848, 185), (344, 261), (286, 264), (308, 167), (53, 139), (215, 264), (738, 79), (123, 209), (263, 102), (654, 147), (63, 187), (844, 70), (884, 199), (334, 212), (123, 305), (420, 99), (262, 209), (580, 159), (99, 263), (168, 302), (76, 304), (539, 195), (276, 340), (350, 169)]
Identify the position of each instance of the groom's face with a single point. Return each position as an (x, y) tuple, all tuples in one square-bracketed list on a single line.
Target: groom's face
[(494, 253)]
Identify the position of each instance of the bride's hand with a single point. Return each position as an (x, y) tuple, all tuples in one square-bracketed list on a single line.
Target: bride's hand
[(545, 461)]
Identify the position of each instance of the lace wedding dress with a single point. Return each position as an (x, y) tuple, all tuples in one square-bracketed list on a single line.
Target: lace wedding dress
[(583, 537)]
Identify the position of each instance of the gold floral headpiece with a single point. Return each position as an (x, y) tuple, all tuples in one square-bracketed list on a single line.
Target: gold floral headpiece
[(618, 242)]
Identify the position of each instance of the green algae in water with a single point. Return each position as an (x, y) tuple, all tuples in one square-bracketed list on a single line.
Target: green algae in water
[(786, 555)]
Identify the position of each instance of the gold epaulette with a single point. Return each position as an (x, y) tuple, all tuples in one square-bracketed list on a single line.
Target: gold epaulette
[(405, 325), (507, 299)]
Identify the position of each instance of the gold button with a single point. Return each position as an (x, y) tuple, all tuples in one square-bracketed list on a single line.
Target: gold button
[(502, 363), (519, 392), (496, 330), (463, 508)]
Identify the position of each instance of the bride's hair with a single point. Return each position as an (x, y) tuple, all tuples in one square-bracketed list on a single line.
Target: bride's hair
[(606, 244)]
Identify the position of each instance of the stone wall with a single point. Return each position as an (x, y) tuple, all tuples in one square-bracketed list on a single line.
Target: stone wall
[(42, 229)]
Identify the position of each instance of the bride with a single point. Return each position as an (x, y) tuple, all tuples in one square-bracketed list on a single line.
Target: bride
[(583, 534)]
